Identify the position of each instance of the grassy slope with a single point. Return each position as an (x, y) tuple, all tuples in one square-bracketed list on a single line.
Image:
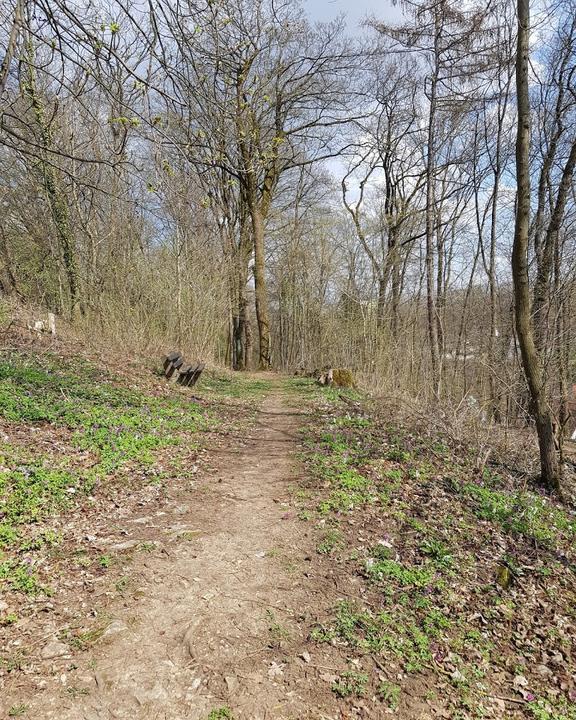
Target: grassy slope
[(76, 439), (81, 450), (71, 431), (458, 589)]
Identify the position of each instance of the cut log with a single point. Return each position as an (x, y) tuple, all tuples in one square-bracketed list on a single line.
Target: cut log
[(195, 376), (188, 375), (170, 359), (171, 363), (326, 378), (343, 377), (183, 374)]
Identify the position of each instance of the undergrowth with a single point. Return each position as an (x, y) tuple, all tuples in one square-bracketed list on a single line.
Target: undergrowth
[(107, 425), (432, 601)]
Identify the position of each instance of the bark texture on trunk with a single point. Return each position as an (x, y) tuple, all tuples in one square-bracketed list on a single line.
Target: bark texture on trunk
[(550, 467), (56, 199), (260, 289), (17, 23), (430, 244)]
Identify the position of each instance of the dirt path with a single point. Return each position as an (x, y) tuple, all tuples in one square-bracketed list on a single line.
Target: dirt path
[(221, 620)]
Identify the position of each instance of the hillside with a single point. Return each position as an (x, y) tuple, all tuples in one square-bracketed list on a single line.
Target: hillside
[(260, 548)]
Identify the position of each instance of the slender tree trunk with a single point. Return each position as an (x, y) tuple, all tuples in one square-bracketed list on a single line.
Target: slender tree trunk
[(8, 281), (562, 352), (17, 23), (430, 244), (540, 409), (494, 395), (56, 199), (381, 308), (179, 318), (260, 289), (240, 271)]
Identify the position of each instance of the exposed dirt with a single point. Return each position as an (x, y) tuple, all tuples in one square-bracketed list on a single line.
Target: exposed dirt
[(217, 615)]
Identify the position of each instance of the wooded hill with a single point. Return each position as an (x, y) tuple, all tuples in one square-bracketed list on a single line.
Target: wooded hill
[(233, 180)]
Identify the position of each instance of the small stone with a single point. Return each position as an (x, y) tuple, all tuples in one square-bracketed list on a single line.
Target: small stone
[(115, 627), (458, 677), (306, 656), (326, 677), (127, 545), (275, 670), (154, 694), (231, 683), (54, 649), (3, 606), (100, 680)]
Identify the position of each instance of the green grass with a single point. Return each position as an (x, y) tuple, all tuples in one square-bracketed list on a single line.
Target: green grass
[(331, 539), (404, 577), (522, 513), (20, 576), (400, 633), (350, 684), (333, 462), (236, 386), (222, 713), (115, 425), (18, 710), (541, 709), (30, 493), (389, 693), (429, 533)]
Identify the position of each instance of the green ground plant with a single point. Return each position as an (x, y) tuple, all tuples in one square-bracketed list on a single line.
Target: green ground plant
[(389, 693), (350, 683), (421, 579), (116, 425), (223, 713)]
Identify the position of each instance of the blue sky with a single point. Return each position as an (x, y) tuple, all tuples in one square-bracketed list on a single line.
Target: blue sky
[(355, 10)]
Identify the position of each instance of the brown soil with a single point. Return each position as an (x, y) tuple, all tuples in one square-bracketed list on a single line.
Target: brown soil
[(217, 616)]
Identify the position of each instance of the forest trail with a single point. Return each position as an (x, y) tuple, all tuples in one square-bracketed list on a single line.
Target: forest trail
[(218, 623)]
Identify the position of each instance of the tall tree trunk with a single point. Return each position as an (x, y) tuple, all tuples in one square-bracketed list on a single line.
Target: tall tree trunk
[(540, 409), (54, 194), (494, 395), (430, 244), (242, 253), (260, 289)]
